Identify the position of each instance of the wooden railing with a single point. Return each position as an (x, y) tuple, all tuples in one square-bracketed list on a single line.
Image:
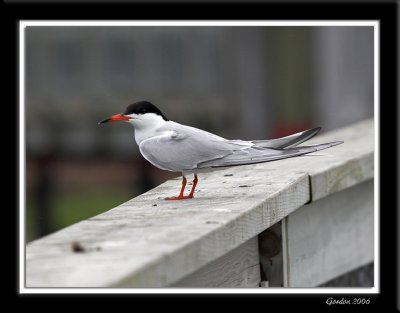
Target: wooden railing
[(295, 222)]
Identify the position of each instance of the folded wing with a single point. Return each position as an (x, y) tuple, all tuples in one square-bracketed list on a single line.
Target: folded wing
[(180, 147)]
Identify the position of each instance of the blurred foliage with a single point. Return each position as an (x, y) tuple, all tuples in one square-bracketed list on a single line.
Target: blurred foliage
[(70, 207)]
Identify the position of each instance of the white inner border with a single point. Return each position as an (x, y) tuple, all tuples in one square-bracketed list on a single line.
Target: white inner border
[(22, 161)]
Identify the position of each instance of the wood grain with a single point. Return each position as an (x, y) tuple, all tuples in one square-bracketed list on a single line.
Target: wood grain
[(238, 268)]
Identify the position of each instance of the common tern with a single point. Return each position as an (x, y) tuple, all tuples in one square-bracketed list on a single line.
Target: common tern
[(179, 148)]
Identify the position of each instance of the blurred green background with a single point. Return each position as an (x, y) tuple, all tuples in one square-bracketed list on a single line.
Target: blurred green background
[(238, 82)]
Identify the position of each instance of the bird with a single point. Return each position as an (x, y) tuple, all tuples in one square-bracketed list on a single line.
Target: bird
[(176, 147)]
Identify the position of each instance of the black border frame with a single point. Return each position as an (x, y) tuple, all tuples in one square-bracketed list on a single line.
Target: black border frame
[(386, 13)]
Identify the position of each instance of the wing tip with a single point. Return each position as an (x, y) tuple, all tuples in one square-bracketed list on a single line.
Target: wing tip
[(315, 130), (335, 143), (318, 128)]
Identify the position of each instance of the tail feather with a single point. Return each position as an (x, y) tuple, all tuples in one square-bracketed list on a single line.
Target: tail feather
[(316, 147), (288, 141), (265, 155)]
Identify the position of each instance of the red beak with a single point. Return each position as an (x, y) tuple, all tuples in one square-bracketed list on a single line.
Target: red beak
[(115, 118)]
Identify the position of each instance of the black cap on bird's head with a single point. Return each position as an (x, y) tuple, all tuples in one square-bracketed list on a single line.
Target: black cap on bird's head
[(138, 108), (143, 107)]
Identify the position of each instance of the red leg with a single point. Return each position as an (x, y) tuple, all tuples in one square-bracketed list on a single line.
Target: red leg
[(195, 180), (180, 197)]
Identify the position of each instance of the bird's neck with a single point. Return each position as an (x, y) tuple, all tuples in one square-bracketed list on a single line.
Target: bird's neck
[(146, 129)]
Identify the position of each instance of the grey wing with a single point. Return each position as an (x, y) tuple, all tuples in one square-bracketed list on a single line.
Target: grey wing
[(184, 148)]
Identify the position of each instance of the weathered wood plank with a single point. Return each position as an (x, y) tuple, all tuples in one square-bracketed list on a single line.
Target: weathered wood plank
[(238, 268), (141, 245), (329, 237), (150, 242)]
